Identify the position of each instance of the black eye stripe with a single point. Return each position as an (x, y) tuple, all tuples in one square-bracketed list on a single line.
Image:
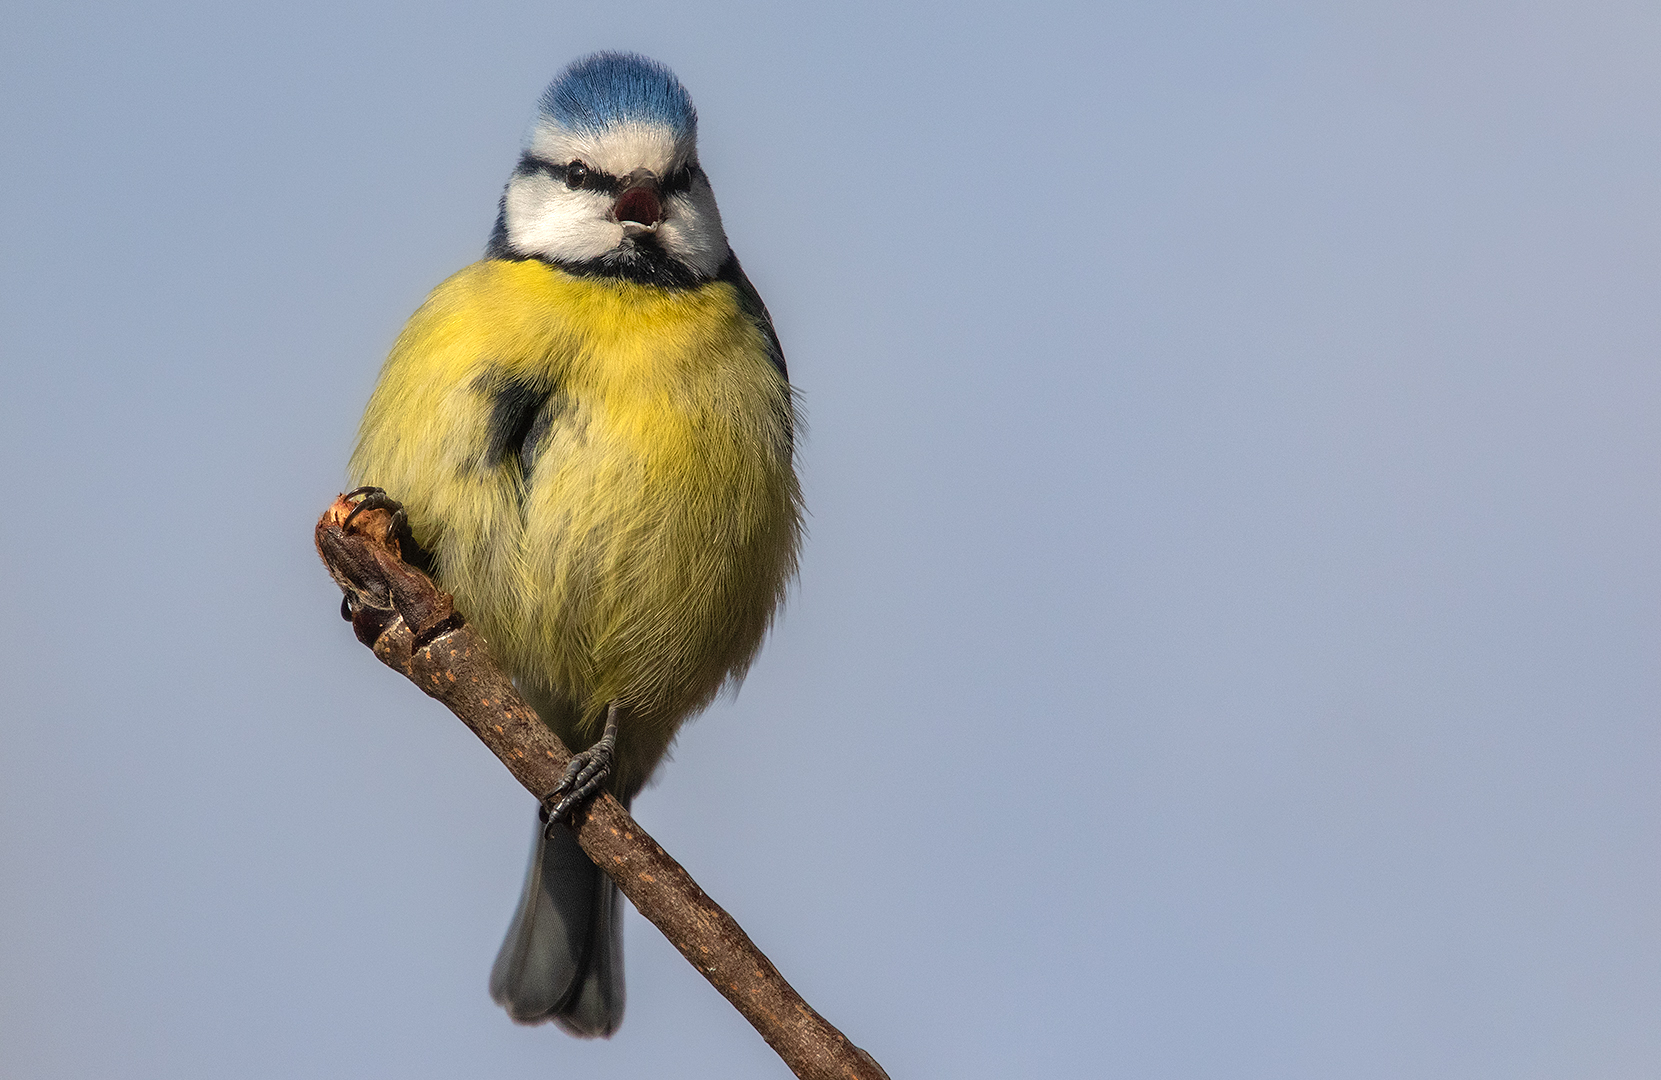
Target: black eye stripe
[(588, 180), (676, 183), (680, 180)]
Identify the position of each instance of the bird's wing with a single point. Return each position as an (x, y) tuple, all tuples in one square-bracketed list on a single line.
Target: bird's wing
[(750, 302)]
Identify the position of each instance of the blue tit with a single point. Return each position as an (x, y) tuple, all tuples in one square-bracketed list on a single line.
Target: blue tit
[(590, 431)]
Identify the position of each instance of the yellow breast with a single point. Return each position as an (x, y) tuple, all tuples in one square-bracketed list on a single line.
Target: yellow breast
[(603, 472)]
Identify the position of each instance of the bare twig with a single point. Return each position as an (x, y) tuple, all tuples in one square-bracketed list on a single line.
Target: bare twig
[(412, 627)]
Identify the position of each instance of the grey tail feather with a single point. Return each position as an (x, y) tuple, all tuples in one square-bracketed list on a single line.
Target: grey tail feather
[(563, 956)]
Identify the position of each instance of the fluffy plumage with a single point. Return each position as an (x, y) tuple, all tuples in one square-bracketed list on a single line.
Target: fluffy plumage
[(601, 93), (591, 432)]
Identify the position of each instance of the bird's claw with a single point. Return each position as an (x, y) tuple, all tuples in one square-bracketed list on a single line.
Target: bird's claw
[(374, 498), (583, 779), (584, 776)]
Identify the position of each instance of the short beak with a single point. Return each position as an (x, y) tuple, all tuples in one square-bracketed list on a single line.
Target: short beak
[(639, 204)]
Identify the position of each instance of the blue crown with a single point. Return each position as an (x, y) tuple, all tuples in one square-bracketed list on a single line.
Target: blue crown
[(610, 88)]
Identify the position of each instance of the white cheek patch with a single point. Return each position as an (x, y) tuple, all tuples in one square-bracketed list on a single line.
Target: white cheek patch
[(544, 217), (691, 229)]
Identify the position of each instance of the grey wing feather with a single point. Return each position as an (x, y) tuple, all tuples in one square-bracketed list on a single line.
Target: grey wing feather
[(750, 301)]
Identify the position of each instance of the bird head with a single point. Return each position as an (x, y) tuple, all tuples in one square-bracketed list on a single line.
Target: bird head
[(608, 181)]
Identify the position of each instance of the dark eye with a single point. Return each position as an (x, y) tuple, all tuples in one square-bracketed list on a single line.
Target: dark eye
[(576, 174), (679, 181)]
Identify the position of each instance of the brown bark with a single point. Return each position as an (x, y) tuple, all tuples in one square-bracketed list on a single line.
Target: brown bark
[(412, 627)]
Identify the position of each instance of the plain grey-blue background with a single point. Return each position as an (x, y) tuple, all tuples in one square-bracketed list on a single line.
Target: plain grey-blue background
[(1227, 643)]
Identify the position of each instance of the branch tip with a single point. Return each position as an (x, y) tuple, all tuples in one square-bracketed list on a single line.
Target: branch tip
[(403, 616)]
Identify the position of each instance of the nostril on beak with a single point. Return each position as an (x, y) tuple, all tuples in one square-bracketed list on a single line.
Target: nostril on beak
[(641, 205)]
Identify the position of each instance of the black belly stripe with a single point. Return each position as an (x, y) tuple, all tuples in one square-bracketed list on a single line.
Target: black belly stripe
[(554, 406), (521, 412)]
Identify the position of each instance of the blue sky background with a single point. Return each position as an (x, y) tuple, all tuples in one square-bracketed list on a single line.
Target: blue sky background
[(1228, 640)]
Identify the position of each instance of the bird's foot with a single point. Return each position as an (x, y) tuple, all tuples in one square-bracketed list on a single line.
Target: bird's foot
[(583, 777), (374, 498)]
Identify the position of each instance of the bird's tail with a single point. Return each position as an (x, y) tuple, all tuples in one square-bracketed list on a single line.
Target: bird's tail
[(563, 956)]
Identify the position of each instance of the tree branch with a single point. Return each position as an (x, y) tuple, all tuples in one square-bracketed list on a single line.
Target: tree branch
[(413, 628)]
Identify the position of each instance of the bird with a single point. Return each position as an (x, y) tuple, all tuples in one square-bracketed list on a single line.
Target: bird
[(590, 436)]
